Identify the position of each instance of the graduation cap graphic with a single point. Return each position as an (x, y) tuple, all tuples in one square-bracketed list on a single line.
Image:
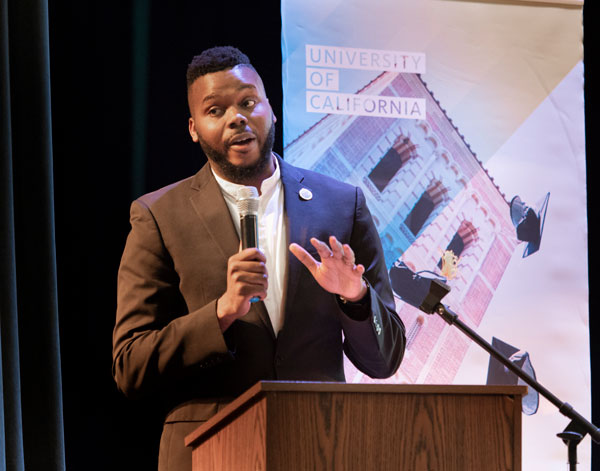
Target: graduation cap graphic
[(529, 222), (500, 374), (409, 286)]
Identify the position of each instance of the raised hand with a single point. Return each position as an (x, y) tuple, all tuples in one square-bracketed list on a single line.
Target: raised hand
[(246, 278), (337, 271)]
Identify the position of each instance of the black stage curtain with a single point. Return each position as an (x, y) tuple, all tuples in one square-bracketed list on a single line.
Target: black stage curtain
[(120, 115), (31, 429), (590, 61)]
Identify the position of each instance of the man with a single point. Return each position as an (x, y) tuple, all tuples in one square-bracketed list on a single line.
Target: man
[(187, 331)]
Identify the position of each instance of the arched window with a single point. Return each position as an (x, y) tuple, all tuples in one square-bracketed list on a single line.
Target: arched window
[(424, 208), (457, 245), (419, 214), (392, 161), (464, 236)]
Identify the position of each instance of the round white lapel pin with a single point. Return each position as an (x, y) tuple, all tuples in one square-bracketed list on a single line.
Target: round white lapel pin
[(305, 194)]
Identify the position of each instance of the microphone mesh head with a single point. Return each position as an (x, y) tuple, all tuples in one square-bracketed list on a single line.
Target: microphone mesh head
[(247, 201)]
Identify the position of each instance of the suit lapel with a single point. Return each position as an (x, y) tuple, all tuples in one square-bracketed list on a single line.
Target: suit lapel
[(210, 206), (297, 213)]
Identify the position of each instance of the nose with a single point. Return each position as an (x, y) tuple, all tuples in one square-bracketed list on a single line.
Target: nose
[(237, 119)]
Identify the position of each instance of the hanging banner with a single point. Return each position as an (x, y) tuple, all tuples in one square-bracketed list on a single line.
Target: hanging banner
[(463, 124)]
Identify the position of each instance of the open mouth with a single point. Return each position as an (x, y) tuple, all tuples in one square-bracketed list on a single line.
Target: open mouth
[(241, 140)]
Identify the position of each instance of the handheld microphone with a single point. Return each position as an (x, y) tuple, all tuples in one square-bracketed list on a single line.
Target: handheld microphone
[(247, 204)]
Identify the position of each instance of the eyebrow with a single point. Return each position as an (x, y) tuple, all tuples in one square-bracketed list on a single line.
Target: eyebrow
[(244, 86)]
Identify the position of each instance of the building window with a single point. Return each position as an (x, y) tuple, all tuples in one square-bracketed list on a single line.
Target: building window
[(419, 214), (424, 210), (464, 237), (392, 161), (457, 245)]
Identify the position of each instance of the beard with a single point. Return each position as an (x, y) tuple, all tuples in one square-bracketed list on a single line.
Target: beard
[(241, 174)]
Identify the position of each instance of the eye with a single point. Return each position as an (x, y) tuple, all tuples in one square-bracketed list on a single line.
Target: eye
[(214, 111), (250, 103)]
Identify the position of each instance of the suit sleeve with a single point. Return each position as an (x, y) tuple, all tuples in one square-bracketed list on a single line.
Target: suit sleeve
[(374, 337), (154, 336)]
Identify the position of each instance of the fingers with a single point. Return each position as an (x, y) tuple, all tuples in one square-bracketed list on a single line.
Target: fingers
[(247, 274), (348, 255), (336, 271), (252, 253), (251, 279), (359, 269), (305, 258), (247, 278), (247, 267), (322, 248), (335, 250)]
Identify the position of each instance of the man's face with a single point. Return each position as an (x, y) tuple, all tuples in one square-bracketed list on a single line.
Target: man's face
[(233, 122)]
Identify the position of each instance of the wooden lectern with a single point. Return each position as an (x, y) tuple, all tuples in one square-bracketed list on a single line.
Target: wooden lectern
[(301, 426)]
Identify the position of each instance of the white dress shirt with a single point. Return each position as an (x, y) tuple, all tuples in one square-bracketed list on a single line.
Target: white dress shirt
[(272, 238)]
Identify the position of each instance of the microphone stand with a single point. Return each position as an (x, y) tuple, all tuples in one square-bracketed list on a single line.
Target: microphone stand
[(577, 428)]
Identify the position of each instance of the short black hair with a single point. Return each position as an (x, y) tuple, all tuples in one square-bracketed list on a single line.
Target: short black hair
[(215, 59)]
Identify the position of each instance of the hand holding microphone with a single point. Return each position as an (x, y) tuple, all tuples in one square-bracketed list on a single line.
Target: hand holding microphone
[(246, 270), (247, 204)]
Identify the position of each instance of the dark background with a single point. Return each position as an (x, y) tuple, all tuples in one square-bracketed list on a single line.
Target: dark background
[(119, 114)]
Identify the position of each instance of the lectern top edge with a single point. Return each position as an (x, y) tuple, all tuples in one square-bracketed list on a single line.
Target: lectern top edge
[(262, 388), (320, 386)]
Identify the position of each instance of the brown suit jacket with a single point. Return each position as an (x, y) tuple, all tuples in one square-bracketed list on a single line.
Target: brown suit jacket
[(167, 343)]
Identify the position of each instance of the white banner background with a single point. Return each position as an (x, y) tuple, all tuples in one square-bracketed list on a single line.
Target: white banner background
[(507, 79)]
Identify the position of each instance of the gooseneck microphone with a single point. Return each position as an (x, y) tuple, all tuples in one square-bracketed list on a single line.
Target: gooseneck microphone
[(247, 204)]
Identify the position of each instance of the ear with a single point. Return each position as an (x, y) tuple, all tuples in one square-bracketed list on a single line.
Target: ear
[(192, 130), (272, 113)]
